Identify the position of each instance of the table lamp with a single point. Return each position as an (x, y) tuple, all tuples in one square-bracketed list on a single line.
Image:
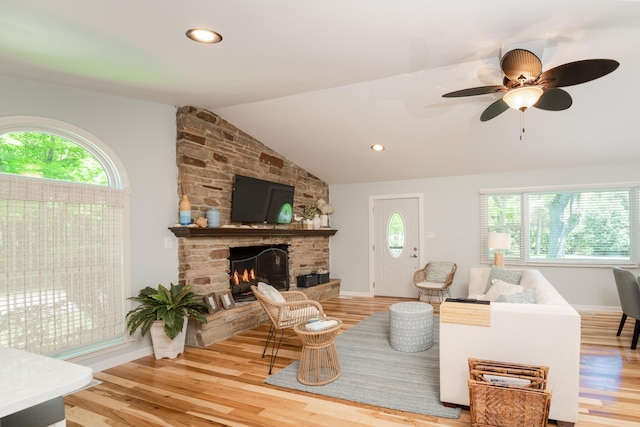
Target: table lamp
[(499, 241)]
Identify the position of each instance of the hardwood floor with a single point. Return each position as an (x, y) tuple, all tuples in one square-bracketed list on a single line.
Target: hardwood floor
[(222, 385)]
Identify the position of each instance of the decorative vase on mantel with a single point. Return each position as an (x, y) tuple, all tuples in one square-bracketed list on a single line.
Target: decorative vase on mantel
[(317, 222), (307, 224), (324, 221)]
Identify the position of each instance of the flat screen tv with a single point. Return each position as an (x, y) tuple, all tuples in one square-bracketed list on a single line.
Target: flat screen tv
[(259, 201)]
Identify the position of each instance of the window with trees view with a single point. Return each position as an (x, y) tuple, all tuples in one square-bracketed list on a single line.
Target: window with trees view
[(63, 220), (44, 155), (597, 226)]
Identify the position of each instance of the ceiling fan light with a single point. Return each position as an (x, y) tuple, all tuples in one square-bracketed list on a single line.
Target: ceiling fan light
[(523, 97), (203, 35)]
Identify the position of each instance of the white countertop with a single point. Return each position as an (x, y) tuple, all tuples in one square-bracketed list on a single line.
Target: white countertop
[(27, 379)]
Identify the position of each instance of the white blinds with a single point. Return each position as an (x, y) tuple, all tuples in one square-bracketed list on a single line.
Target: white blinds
[(62, 276), (595, 225)]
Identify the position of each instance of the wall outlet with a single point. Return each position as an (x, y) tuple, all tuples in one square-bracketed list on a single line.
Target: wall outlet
[(168, 243)]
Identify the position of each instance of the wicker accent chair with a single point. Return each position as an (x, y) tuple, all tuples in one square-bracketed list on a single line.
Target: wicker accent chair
[(284, 309), (629, 293), (434, 279)]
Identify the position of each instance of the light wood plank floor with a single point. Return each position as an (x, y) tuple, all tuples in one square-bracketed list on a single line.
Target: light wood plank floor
[(222, 385)]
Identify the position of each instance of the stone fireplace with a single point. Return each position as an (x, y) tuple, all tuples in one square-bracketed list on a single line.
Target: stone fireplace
[(209, 153), (252, 264)]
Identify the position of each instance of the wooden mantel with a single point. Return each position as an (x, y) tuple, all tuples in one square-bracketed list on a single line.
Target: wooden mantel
[(248, 232)]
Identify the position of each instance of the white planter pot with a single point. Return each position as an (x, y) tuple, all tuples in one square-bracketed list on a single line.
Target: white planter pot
[(317, 222), (162, 345)]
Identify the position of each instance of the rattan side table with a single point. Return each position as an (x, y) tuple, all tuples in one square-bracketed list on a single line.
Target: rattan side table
[(319, 362)]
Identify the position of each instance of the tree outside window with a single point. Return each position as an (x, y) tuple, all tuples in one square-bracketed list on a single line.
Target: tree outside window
[(44, 155), (591, 226)]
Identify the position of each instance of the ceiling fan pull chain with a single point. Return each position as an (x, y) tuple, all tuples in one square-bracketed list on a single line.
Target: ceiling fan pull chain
[(521, 124)]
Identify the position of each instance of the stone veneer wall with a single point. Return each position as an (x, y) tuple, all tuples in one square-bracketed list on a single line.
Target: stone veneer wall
[(210, 151)]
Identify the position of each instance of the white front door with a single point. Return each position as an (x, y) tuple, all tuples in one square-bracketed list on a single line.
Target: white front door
[(396, 245)]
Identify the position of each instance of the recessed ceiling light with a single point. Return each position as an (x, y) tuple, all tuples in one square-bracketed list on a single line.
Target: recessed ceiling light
[(377, 147), (202, 35)]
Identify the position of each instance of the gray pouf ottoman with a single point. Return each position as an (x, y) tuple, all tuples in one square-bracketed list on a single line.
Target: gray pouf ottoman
[(411, 326)]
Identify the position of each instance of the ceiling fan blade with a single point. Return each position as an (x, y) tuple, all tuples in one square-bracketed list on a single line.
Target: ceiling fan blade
[(554, 99), (574, 73), (482, 90), (519, 64), (494, 110)]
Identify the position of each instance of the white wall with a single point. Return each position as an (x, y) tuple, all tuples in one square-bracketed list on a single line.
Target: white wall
[(143, 136), (452, 213)]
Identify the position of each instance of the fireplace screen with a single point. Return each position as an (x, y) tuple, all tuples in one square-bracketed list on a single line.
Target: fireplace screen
[(253, 264)]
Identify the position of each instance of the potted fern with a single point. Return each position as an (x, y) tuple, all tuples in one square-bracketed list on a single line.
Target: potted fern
[(164, 313)]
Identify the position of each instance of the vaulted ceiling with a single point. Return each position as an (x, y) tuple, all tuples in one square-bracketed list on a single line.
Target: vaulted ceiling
[(322, 81)]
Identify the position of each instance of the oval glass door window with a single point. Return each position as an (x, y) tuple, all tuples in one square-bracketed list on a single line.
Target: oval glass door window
[(395, 235)]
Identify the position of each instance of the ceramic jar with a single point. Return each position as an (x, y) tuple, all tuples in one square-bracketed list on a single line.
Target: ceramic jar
[(213, 218), (317, 222)]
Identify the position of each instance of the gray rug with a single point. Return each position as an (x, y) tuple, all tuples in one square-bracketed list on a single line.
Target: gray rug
[(375, 374)]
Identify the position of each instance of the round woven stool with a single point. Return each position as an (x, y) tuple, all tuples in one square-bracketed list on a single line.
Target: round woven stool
[(319, 364), (411, 326)]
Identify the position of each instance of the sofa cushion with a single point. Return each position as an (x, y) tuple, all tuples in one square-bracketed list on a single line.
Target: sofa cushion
[(500, 288), (525, 297), (529, 279), (509, 276)]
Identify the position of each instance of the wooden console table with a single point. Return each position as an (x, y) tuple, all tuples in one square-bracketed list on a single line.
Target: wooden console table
[(465, 313)]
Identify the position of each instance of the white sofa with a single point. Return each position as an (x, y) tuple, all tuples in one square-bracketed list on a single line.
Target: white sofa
[(545, 333)]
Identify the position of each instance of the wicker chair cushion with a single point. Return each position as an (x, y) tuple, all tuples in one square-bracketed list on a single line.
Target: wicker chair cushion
[(500, 287), (431, 285), (270, 292), (299, 313), (438, 272)]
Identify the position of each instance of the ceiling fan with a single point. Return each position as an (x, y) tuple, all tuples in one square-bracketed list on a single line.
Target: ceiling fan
[(525, 85)]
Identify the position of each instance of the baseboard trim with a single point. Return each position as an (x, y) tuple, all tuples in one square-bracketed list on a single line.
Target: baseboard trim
[(597, 309), (120, 359), (354, 294)]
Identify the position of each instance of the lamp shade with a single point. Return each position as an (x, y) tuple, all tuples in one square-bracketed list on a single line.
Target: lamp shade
[(499, 240), (522, 97)]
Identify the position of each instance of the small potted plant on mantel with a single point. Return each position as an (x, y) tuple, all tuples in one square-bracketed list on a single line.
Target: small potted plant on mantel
[(308, 212), (164, 313)]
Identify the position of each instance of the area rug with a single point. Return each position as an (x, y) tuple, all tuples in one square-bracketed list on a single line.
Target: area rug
[(375, 374)]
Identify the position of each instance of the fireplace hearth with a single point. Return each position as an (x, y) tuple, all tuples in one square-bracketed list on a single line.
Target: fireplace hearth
[(252, 264)]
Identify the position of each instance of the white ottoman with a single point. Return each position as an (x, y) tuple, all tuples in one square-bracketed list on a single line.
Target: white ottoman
[(411, 326)]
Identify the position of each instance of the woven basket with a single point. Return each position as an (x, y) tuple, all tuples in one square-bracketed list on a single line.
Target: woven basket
[(507, 395)]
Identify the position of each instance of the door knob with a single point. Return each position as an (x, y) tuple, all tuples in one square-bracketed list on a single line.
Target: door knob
[(413, 256)]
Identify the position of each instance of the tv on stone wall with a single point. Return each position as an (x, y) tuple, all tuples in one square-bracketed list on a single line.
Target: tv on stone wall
[(258, 201)]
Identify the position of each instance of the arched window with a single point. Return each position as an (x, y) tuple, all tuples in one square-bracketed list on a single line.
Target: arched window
[(63, 239)]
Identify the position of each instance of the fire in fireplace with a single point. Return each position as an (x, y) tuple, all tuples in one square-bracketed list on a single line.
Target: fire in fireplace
[(252, 264)]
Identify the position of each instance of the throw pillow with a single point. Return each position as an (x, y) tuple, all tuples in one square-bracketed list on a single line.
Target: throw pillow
[(438, 272), (499, 288), (270, 292), (526, 297), (509, 276)]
